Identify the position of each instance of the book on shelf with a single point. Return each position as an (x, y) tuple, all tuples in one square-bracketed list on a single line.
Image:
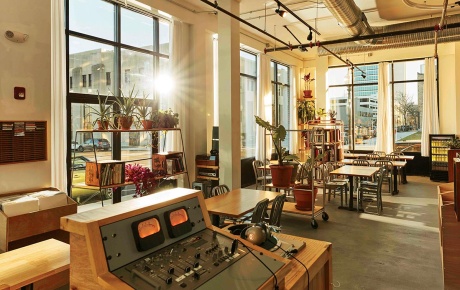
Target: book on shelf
[(107, 172)]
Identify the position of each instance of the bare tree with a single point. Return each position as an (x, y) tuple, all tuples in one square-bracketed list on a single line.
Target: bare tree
[(405, 106)]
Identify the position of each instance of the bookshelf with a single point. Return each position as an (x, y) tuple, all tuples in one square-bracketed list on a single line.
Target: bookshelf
[(107, 174)]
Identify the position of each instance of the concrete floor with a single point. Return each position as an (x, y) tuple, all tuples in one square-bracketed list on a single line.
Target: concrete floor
[(397, 250)]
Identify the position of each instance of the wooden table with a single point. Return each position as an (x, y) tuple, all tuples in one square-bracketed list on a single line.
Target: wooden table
[(236, 203), (396, 164), (44, 264), (351, 171), (317, 257)]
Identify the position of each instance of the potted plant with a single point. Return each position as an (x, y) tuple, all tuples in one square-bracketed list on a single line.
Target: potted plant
[(308, 80), (305, 111), (281, 173), (103, 113), (332, 115), (453, 144), (320, 112), (127, 108), (305, 193), (142, 177), (144, 111), (165, 119)]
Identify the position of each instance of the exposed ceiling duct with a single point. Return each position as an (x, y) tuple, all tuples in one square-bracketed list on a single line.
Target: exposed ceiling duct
[(406, 40), (350, 17), (354, 21)]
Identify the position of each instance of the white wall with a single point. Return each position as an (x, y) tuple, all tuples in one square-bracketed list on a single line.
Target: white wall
[(26, 65)]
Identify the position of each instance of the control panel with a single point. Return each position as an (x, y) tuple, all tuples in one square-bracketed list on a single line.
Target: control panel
[(164, 241)]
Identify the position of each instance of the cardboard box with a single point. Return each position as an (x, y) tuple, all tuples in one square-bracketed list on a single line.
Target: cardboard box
[(111, 171)]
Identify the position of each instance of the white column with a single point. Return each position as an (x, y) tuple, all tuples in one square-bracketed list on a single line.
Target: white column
[(229, 96)]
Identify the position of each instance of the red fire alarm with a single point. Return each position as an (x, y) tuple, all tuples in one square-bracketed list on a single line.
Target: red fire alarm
[(19, 93)]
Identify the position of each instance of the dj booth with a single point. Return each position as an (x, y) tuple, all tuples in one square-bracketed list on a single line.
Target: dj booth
[(166, 241)]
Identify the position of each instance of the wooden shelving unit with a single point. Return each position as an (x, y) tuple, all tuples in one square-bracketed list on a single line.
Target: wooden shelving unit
[(163, 156)]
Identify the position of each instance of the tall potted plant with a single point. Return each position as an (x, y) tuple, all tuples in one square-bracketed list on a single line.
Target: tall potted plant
[(281, 172)]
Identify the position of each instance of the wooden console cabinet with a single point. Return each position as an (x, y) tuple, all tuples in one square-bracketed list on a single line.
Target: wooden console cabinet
[(449, 236), (25, 229), (451, 154)]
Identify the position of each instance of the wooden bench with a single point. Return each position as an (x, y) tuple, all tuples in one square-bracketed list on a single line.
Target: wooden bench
[(44, 264)]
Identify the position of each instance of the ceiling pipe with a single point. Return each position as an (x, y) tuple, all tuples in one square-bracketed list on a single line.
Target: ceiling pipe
[(216, 6), (424, 6), (439, 27), (296, 17)]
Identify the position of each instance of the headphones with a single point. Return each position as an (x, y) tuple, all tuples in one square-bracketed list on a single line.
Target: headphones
[(257, 233)]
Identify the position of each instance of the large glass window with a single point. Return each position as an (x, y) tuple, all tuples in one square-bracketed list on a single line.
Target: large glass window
[(408, 104), (248, 93), (354, 97), (281, 113), (111, 46)]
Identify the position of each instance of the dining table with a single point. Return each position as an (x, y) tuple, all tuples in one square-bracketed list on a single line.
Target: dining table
[(352, 171), (236, 203), (396, 164)]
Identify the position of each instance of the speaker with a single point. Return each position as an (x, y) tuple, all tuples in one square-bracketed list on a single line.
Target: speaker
[(16, 36), (205, 186)]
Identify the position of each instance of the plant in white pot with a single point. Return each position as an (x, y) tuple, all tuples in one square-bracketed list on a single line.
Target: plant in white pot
[(281, 172)]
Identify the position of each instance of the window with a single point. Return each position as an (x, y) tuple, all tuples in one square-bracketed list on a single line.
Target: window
[(355, 100), (248, 95), (111, 46), (408, 77), (281, 113)]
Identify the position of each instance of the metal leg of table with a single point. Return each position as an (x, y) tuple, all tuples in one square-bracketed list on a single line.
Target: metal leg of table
[(403, 175), (350, 200), (395, 181)]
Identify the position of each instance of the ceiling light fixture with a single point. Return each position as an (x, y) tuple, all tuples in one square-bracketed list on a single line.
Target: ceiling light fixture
[(280, 12), (310, 35), (363, 76)]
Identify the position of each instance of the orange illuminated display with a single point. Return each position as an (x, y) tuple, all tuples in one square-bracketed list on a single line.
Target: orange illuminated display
[(178, 217), (148, 227)]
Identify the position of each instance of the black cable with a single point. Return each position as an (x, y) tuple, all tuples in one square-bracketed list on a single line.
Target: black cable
[(249, 250), (289, 254)]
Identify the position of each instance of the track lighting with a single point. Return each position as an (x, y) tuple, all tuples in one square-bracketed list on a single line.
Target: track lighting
[(363, 76), (310, 36), (280, 12)]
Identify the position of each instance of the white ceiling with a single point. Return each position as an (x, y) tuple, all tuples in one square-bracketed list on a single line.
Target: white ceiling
[(261, 13)]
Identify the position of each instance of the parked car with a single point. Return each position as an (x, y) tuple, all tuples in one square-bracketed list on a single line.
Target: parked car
[(79, 162), (99, 143)]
